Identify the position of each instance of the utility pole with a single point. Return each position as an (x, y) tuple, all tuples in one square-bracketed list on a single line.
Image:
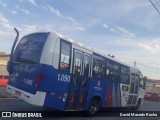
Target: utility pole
[(134, 64)]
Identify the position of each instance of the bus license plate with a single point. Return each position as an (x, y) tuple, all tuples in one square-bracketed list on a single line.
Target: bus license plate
[(18, 93)]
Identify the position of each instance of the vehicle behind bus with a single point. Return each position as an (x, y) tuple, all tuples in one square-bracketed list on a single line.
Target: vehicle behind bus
[(50, 70), (3, 80)]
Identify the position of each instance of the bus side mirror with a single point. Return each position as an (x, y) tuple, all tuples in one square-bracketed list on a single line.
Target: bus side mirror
[(14, 44)]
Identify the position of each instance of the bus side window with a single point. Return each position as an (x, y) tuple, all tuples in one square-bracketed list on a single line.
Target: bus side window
[(124, 75), (98, 66), (116, 71), (109, 71), (112, 70), (136, 83), (133, 76), (86, 65), (141, 82), (65, 54)]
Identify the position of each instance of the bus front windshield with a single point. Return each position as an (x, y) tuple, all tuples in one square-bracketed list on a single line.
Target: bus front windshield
[(30, 48)]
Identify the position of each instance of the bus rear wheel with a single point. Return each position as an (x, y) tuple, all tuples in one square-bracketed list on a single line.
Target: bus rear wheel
[(93, 107)]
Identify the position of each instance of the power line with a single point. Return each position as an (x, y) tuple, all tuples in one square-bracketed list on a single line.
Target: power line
[(154, 5), (157, 3)]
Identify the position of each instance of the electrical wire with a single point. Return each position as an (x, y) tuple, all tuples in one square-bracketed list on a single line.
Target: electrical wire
[(154, 5)]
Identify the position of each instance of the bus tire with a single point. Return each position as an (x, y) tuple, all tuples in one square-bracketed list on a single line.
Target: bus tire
[(93, 107), (138, 105)]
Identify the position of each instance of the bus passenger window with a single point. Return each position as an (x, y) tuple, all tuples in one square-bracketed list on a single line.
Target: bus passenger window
[(77, 68), (86, 72), (141, 82), (65, 56), (112, 70), (86, 66), (133, 76), (107, 71), (77, 63), (124, 75), (136, 84), (98, 66)]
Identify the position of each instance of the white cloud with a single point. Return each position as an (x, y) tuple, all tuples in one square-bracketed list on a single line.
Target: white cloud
[(5, 22), (5, 35), (54, 11), (153, 48), (4, 4), (120, 30), (75, 25), (105, 26), (113, 30), (8, 36), (16, 7), (14, 12), (123, 31), (81, 28), (33, 2), (25, 11), (6, 40), (27, 29), (71, 19)]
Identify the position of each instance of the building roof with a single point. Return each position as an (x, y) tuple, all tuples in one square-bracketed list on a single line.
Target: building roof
[(2, 53), (3, 70), (153, 81), (5, 55)]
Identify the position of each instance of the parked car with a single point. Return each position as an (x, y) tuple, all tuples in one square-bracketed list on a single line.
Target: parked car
[(3, 80), (152, 96)]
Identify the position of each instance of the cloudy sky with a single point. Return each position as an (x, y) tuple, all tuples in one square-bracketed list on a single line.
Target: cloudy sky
[(127, 29)]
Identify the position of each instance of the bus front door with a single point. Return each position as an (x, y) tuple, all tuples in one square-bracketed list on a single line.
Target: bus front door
[(79, 83)]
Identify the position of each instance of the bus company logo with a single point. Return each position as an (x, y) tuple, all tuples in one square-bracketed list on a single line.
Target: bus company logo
[(98, 86)]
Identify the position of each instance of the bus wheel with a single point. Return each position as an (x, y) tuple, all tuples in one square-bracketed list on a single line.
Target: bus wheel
[(93, 107), (138, 105)]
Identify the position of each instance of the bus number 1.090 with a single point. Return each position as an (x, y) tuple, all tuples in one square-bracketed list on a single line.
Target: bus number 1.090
[(62, 77)]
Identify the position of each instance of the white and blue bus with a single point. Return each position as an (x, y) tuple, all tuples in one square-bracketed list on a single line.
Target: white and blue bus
[(53, 71)]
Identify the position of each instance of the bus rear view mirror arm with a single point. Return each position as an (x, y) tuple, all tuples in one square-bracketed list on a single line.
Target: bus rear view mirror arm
[(14, 44)]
